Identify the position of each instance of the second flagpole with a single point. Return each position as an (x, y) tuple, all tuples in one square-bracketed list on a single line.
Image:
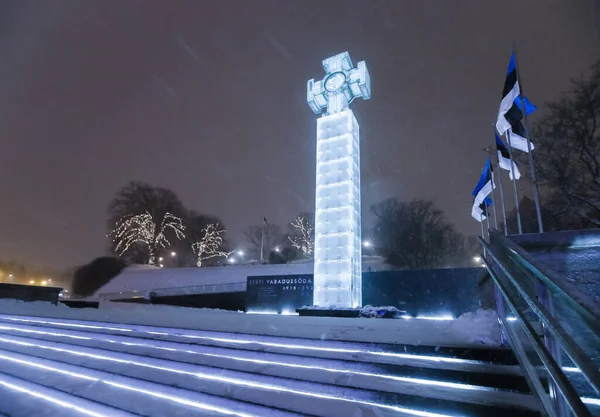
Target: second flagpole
[(534, 184)]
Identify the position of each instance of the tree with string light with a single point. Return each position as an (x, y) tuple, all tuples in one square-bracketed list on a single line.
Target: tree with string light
[(210, 244), (142, 229), (302, 236)]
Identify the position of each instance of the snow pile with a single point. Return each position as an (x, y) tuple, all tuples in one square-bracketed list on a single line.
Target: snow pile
[(381, 312), (481, 327)]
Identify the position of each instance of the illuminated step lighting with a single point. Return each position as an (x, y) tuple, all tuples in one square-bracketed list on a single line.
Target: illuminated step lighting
[(180, 400), (591, 401), (292, 346), (82, 352), (57, 323), (441, 318), (51, 396), (44, 332), (234, 381)]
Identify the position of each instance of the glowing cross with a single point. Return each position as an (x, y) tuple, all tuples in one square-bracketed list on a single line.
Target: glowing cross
[(340, 86), (338, 265)]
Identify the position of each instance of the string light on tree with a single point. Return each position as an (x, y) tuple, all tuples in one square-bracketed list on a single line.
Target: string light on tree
[(210, 244), (141, 228), (303, 238)]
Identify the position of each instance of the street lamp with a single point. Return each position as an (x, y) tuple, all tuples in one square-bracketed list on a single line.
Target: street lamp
[(160, 259), (477, 259), (161, 265), (277, 249), (240, 252), (32, 282), (366, 244), (231, 260), (173, 254)]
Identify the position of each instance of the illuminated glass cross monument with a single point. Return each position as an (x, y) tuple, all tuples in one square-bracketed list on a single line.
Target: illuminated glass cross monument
[(337, 214)]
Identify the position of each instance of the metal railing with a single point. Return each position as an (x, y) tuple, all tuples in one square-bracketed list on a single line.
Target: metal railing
[(553, 329)]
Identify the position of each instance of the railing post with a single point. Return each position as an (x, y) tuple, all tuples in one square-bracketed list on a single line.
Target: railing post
[(501, 313), (550, 342)]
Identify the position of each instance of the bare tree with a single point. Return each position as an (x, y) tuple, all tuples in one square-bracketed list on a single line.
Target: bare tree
[(302, 235), (210, 245), (414, 235), (142, 229), (568, 148)]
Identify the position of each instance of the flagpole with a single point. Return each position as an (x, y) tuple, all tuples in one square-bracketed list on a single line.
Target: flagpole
[(482, 232), (487, 218), (514, 182), (494, 190), (536, 196), (502, 196)]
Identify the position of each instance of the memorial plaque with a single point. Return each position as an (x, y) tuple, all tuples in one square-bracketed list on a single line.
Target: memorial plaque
[(278, 293)]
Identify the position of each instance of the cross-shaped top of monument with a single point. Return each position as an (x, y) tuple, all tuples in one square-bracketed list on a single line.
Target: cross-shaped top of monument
[(340, 86)]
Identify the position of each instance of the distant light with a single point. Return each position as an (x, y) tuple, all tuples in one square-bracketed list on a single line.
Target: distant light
[(44, 282), (240, 252), (49, 280), (367, 244), (161, 265), (32, 282), (10, 275), (435, 317), (276, 248), (231, 260), (173, 254), (160, 259), (477, 259)]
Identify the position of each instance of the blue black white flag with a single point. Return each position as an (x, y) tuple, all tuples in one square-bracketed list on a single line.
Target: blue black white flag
[(518, 139), (510, 108), (482, 190), (504, 160), (480, 213)]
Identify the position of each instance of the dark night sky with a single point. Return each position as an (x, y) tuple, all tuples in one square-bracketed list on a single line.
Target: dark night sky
[(208, 98)]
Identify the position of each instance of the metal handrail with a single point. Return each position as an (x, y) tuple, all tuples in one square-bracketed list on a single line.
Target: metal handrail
[(554, 330), (583, 303), (555, 371), (577, 355)]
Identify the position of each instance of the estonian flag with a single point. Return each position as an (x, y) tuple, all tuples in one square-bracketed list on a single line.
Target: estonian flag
[(481, 212), (510, 108), (504, 159), (483, 188), (518, 139)]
